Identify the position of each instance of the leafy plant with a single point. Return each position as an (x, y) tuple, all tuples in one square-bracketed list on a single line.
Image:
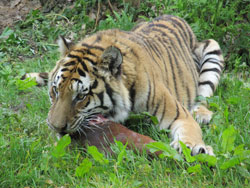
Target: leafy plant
[(99, 157), (25, 85), (123, 21), (59, 149), (84, 167), (167, 151)]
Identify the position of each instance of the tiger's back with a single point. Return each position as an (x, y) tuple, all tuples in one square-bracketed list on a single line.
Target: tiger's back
[(157, 50)]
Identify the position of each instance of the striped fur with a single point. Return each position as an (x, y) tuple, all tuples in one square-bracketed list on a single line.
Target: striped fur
[(158, 67)]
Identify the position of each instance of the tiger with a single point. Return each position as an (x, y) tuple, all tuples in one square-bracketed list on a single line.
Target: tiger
[(158, 67)]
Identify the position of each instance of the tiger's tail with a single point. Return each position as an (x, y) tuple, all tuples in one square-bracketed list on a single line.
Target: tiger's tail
[(40, 78), (209, 61)]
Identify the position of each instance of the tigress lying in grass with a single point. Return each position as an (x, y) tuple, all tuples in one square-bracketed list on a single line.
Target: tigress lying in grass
[(158, 67)]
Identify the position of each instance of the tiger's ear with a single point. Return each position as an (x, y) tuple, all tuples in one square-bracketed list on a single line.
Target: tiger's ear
[(64, 45), (112, 60)]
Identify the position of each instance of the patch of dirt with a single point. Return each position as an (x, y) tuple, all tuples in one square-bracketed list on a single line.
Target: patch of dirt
[(12, 11)]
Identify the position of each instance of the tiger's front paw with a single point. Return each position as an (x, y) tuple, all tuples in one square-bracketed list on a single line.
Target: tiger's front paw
[(196, 147)]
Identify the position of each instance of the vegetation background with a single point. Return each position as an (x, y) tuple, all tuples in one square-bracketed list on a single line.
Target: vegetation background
[(30, 154)]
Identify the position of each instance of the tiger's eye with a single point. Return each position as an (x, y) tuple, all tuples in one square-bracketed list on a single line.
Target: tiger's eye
[(55, 89), (80, 96)]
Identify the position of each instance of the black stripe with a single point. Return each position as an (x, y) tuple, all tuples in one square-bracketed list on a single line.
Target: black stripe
[(153, 47), (207, 83), (172, 71), (81, 72), (71, 63), (171, 31), (92, 47), (156, 108), (98, 38), (211, 60), (100, 96), (179, 52), (147, 46), (65, 42), (104, 107), (94, 84), (87, 103), (132, 95), (90, 60), (212, 69), (188, 97), (110, 93), (180, 73), (75, 56), (184, 109), (64, 69), (85, 52), (164, 110), (80, 51), (174, 22), (215, 52), (84, 66), (153, 100), (190, 32), (44, 75), (149, 91), (177, 115), (206, 45), (63, 77)]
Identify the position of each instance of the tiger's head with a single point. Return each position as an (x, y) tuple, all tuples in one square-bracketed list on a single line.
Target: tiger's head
[(85, 83)]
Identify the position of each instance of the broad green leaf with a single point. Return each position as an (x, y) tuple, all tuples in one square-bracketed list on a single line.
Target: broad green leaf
[(59, 149), (230, 163), (228, 138), (122, 153), (239, 149), (99, 157), (212, 104), (245, 154), (24, 85), (187, 153), (166, 149), (84, 167), (210, 160), (194, 169), (241, 152)]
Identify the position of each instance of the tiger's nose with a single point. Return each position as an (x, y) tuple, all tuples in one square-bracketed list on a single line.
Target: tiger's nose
[(62, 129), (58, 128)]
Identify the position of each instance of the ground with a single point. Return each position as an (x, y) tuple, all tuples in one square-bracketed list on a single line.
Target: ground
[(12, 11)]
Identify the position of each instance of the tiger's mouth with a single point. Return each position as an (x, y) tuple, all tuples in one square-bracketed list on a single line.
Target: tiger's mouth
[(95, 123), (98, 119)]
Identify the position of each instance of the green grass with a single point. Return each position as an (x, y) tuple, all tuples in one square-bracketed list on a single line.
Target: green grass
[(29, 157)]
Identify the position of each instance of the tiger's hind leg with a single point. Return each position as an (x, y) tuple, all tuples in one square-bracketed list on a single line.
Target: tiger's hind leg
[(174, 116), (40, 78), (209, 60)]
